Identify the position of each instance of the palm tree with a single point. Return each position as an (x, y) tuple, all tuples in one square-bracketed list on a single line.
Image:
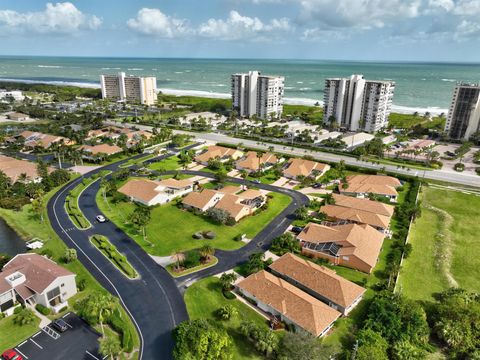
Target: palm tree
[(227, 279), (206, 251), (178, 257), (104, 307), (110, 346)]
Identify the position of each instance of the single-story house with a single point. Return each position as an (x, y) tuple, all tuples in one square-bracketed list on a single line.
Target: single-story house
[(220, 152), (357, 139), (307, 168), (150, 192), (32, 279), (252, 163), (16, 116), (89, 152), (351, 245), (34, 139), (319, 281), (287, 302), (14, 169), (360, 211), (363, 185), (237, 204)]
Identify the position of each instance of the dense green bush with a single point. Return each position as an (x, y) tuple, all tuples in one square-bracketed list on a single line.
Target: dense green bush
[(43, 309)]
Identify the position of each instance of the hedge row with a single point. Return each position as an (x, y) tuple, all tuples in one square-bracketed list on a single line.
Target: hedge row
[(110, 251), (121, 327), (75, 214)]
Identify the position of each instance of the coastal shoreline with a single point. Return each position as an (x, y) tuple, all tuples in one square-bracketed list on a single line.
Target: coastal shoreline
[(400, 109)]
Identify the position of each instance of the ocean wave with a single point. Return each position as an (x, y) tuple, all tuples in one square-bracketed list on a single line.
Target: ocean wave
[(107, 68), (299, 82), (449, 80), (178, 72), (290, 87), (50, 66), (135, 69), (305, 89), (176, 92)]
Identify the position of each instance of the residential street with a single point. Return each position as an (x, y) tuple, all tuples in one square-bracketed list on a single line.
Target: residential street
[(440, 175), (154, 301)]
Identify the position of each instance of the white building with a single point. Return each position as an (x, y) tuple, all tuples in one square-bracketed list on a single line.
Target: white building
[(358, 104), (136, 89), (256, 94), (17, 95), (32, 279), (464, 114)]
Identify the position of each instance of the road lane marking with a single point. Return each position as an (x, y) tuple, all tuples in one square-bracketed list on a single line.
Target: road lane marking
[(64, 316), (89, 353), (38, 333), (24, 356), (22, 343), (54, 209), (33, 341)]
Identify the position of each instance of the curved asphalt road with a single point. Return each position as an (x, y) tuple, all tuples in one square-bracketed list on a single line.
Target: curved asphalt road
[(154, 301)]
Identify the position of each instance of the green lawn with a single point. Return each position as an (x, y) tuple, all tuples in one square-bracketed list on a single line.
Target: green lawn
[(170, 163), (407, 121), (266, 178), (205, 297), (137, 161), (171, 228), (16, 333), (421, 275)]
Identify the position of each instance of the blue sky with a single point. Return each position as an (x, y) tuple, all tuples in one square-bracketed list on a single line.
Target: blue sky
[(392, 30)]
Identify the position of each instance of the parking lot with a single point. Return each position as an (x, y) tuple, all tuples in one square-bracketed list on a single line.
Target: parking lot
[(79, 342)]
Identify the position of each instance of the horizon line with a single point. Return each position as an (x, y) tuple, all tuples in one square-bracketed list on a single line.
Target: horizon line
[(249, 59)]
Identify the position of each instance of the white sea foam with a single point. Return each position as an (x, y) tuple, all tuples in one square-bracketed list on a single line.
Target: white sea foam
[(299, 82), (178, 72), (291, 101), (50, 66), (135, 69), (305, 88), (108, 68), (448, 80)]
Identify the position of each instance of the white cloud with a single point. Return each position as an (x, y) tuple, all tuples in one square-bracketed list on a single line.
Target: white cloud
[(237, 26), (364, 14), (322, 35), (59, 18), (156, 23), (467, 30)]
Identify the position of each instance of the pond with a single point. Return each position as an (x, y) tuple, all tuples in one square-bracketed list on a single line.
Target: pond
[(10, 242)]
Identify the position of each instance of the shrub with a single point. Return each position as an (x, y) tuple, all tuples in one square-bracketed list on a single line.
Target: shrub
[(17, 309), (230, 221), (238, 237), (477, 170), (192, 259), (198, 235), (210, 235), (228, 295), (43, 309), (459, 167)]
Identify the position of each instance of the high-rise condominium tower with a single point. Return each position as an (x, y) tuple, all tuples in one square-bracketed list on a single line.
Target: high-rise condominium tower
[(138, 89), (256, 94), (464, 114), (358, 104)]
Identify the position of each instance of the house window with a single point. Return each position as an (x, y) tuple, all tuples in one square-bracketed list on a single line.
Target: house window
[(53, 293), (62, 285)]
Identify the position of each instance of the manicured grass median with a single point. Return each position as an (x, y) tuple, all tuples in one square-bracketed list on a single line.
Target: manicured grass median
[(71, 204), (111, 253), (204, 298), (421, 274), (170, 268), (171, 228)]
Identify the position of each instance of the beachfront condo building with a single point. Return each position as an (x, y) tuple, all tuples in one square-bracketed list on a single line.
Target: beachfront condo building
[(463, 118), (256, 94), (358, 104), (133, 89)]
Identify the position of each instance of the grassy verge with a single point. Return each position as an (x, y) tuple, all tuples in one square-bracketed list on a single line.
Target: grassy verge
[(28, 226), (204, 298), (137, 161), (398, 163), (16, 333), (170, 163), (423, 272), (71, 204), (112, 254), (170, 268), (171, 228)]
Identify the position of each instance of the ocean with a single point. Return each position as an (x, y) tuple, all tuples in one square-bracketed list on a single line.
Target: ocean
[(419, 86)]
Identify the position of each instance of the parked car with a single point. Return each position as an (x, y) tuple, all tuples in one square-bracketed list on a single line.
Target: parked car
[(317, 186), (60, 325), (11, 354), (256, 181), (101, 218), (297, 229)]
